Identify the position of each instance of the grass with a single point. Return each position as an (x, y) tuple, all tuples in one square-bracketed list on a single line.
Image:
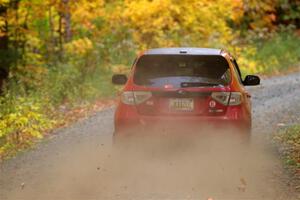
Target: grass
[(288, 141)]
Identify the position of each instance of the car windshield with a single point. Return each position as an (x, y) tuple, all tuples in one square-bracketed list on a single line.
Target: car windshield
[(182, 71)]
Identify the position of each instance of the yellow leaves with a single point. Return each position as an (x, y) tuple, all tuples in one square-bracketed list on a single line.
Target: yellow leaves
[(32, 74), (24, 117), (245, 55), (33, 42), (238, 11), (120, 69), (2, 25), (20, 122), (2, 22), (151, 20), (3, 2), (248, 66), (79, 47), (86, 11), (33, 132), (175, 23), (3, 127)]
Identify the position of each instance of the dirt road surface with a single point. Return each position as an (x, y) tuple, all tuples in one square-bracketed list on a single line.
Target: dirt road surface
[(79, 162)]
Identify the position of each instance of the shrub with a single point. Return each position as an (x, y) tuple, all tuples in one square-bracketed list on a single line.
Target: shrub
[(21, 120), (290, 140), (274, 55)]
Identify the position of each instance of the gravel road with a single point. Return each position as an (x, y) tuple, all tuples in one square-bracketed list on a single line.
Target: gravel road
[(78, 162)]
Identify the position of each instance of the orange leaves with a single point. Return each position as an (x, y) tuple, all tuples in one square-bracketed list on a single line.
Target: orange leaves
[(238, 11), (86, 11), (261, 14)]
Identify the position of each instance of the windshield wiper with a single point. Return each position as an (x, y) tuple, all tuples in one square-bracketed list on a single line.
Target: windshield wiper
[(197, 84)]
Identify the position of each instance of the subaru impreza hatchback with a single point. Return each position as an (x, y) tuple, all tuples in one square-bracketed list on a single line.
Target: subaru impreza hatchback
[(184, 87)]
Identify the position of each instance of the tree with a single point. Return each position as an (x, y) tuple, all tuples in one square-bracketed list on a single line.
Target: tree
[(4, 43), (289, 12), (259, 14), (172, 22), (67, 19)]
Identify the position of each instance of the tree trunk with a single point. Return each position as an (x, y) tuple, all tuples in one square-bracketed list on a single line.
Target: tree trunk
[(67, 20), (60, 33), (4, 47), (52, 43)]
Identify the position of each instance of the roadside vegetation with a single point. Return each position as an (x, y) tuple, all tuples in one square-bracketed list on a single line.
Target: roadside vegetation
[(58, 55), (288, 140)]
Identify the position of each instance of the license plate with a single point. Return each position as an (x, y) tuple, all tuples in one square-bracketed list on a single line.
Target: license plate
[(181, 104)]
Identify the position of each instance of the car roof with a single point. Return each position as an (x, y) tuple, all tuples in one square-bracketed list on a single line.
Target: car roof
[(183, 51)]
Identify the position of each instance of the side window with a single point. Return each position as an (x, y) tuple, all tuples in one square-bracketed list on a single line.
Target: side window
[(226, 76), (237, 70)]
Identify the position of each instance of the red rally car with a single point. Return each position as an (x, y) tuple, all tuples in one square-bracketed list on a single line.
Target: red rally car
[(184, 87)]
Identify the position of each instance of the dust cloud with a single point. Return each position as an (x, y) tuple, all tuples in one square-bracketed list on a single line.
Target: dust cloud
[(162, 166)]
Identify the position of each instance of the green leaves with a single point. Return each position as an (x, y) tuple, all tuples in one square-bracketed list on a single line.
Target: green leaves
[(22, 119)]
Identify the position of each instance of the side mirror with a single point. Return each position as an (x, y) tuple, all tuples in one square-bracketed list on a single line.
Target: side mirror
[(251, 80), (119, 79)]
